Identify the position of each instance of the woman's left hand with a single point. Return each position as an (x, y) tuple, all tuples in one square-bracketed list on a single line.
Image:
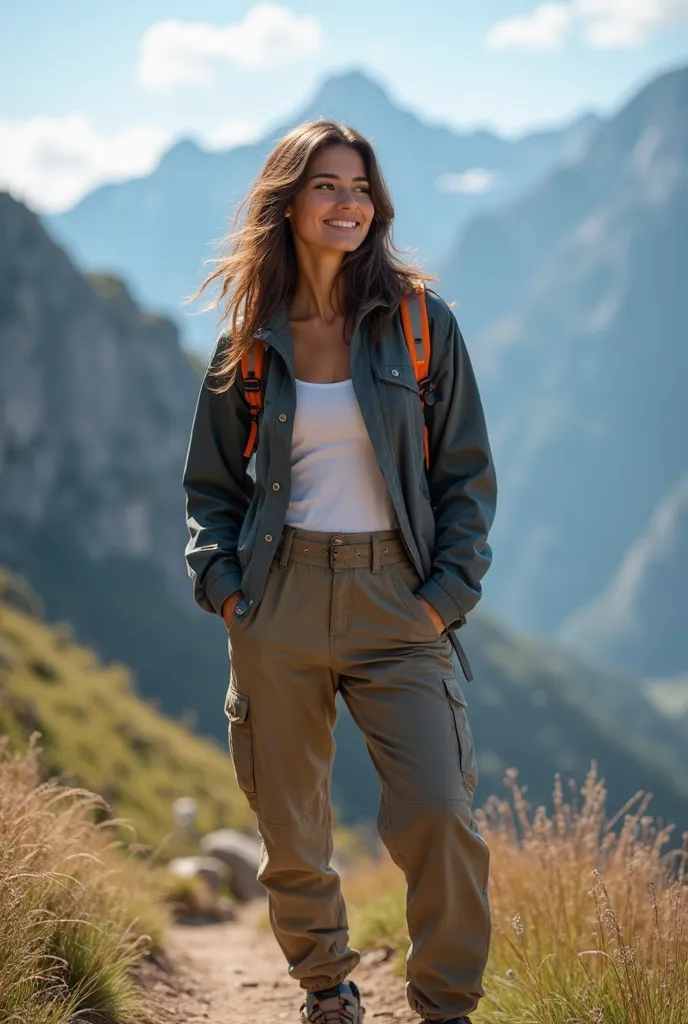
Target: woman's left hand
[(433, 613)]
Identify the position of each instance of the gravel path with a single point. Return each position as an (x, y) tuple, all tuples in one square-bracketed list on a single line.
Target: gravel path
[(235, 973)]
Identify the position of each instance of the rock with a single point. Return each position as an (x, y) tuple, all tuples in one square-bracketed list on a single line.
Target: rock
[(210, 869), (107, 458), (184, 810), (242, 854), (17, 593), (376, 956)]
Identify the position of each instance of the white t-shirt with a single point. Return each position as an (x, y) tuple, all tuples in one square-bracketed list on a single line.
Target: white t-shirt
[(336, 482)]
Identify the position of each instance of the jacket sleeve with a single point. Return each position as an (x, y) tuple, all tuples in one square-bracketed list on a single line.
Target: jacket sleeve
[(462, 478), (218, 489)]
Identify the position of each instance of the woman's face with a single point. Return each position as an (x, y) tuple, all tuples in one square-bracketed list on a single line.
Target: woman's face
[(333, 208)]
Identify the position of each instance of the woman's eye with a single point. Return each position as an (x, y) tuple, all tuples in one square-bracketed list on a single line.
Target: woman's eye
[(359, 188)]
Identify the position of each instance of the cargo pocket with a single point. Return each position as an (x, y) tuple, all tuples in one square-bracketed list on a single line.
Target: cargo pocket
[(464, 735), (237, 706)]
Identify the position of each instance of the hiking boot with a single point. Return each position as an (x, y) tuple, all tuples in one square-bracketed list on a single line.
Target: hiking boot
[(452, 1020), (340, 1004)]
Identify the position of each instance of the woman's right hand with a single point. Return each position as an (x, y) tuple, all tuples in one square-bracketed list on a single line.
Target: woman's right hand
[(228, 606)]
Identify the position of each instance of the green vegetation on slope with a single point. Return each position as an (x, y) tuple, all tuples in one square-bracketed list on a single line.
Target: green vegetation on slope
[(97, 733)]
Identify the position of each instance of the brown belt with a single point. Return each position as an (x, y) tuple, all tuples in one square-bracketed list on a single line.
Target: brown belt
[(352, 551), (341, 550)]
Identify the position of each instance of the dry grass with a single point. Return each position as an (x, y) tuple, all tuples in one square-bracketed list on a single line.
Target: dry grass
[(75, 912), (590, 916)]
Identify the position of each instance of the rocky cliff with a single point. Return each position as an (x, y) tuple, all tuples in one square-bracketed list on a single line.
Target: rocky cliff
[(96, 400)]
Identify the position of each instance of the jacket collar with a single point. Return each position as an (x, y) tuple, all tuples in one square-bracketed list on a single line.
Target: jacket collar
[(276, 333)]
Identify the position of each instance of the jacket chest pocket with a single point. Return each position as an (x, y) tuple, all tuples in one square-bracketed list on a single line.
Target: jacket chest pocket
[(401, 374), (403, 412), (399, 395)]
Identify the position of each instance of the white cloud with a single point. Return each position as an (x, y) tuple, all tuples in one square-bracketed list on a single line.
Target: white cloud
[(474, 181), (176, 52), (605, 24), (544, 29), (625, 23), (231, 133), (51, 162)]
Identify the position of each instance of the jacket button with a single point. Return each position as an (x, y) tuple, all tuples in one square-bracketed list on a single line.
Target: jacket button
[(275, 486), (268, 537), (395, 373), (282, 417)]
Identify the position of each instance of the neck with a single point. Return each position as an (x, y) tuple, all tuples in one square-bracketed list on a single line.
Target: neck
[(314, 297)]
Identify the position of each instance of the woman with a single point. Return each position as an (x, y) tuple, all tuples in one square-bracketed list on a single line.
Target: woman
[(345, 566)]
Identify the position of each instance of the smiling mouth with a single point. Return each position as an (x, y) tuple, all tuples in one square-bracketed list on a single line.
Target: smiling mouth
[(343, 225)]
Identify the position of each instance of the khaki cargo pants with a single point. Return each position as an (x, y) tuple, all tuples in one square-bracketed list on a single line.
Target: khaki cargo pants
[(338, 613)]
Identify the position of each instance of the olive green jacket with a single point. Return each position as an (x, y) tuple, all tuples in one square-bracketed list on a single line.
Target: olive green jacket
[(444, 515)]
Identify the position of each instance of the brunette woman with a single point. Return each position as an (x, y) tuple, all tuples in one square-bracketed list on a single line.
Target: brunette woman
[(345, 564)]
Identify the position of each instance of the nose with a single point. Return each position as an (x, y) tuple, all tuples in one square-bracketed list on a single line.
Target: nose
[(347, 198)]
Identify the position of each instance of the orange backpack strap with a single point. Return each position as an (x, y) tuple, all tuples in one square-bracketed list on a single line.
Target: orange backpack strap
[(252, 372), (414, 319)]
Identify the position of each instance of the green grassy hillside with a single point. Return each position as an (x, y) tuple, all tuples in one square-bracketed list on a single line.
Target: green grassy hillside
[(96, 732)]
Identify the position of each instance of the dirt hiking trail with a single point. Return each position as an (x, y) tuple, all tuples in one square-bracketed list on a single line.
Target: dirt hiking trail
[(235, 973)]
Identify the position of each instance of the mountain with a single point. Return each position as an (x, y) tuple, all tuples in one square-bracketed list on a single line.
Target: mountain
[(96, 402), (97, 732), (96, 397), (573, 301), (156, 231), (639, 621)]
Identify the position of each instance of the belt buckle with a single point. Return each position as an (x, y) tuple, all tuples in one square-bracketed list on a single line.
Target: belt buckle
[(334, 543)]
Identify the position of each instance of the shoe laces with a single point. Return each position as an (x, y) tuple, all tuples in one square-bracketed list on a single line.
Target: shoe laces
[(334, 1006)]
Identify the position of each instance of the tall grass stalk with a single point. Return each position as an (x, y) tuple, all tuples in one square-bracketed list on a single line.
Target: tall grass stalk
[(75, 911), (589, 915)]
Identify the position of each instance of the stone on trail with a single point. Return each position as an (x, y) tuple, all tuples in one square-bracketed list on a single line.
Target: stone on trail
[(210, 869), (242, 854)]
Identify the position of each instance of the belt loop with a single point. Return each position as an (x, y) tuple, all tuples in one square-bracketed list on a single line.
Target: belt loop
[(375, 543), (286, 546)]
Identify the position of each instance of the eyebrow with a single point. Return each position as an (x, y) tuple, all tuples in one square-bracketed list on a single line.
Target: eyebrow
[(329, 174)]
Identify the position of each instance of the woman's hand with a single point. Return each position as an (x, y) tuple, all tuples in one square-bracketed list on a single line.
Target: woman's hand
[(228, 606), (433, 613)]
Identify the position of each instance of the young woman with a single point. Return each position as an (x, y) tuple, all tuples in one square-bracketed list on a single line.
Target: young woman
[(345, 565)]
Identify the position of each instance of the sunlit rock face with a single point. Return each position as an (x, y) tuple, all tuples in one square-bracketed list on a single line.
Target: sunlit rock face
[(96, 401)]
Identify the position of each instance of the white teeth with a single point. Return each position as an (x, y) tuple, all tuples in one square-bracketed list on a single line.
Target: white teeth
[(342, 223)]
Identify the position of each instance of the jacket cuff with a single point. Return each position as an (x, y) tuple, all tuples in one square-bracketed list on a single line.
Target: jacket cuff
[(222, 585), (453, 614)]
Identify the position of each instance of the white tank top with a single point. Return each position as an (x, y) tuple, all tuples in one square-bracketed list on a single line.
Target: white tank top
[(336, 483)]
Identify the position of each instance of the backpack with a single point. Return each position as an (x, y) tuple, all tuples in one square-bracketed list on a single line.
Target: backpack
[(416, 327)]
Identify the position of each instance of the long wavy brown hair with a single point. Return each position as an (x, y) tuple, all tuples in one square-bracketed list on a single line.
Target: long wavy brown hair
[(258, 270)]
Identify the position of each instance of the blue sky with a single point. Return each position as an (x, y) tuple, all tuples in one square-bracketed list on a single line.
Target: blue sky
[(91, 92)]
